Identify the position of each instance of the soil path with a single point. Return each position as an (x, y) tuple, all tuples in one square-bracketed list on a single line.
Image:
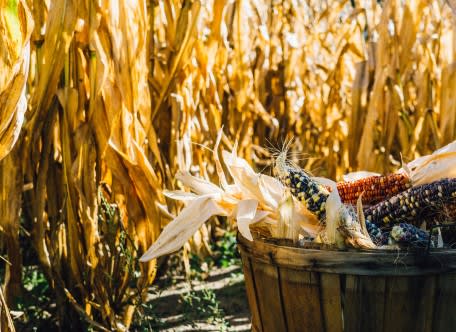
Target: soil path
[(175, 314)]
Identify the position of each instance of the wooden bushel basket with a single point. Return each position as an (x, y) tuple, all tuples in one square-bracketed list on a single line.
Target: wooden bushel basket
[(300, 289)]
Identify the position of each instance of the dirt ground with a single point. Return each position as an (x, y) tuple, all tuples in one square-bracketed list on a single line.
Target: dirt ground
[(227, 284)]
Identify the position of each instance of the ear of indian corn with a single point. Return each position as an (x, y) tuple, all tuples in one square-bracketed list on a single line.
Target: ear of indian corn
[(373, 188), (402, 234), (376, 234), (409, 234), (415, 205), (306, 190)]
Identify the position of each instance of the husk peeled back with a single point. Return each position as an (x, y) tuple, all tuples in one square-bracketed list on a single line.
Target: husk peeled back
[(422, 170), (344, 227), (436, 166), (252, 198)]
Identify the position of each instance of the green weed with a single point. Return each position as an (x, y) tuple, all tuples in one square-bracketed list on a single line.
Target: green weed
[(203, 306)]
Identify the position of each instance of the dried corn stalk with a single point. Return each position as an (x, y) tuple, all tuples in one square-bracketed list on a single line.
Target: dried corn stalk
[(16, 27), (6, 322), (90, 140)]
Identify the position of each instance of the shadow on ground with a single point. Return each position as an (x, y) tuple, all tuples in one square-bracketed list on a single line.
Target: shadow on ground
[(217, 304)]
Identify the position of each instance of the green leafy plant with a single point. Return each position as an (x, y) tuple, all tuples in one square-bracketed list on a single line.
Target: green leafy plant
[(225, 251), (224, 254), (203, 305), (146, 318), (35, 310)]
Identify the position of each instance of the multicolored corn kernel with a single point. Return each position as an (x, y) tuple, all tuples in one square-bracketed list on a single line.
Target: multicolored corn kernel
[(376, 234), (449, 213), (409, 234), (402, 234), (415, 205), (305, 190), (374, 188)]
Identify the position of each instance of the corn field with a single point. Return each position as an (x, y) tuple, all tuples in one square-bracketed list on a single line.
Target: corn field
[(102, 102)]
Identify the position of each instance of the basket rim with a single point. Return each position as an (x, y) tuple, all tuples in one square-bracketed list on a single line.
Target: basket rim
[(348, 261)]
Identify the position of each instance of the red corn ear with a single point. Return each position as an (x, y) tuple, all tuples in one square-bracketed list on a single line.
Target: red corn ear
[(375, 188)]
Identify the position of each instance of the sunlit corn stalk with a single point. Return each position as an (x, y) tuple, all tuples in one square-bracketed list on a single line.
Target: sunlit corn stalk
[(91, 140), (16, 26)]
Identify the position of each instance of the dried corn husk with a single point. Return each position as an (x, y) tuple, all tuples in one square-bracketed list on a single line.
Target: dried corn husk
[(16, 25), (251, 199), (425, 169), (438, 165)]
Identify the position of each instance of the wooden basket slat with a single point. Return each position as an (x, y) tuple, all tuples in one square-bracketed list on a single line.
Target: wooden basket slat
[(425, 314), (445, 303), (251, 295), (301, 290), (268, 285), (364, 295), (399, 307), (331, 302)]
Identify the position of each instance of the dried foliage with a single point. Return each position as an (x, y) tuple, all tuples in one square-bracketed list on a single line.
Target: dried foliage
[(15, 29), (6, 322), (123, 94)]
